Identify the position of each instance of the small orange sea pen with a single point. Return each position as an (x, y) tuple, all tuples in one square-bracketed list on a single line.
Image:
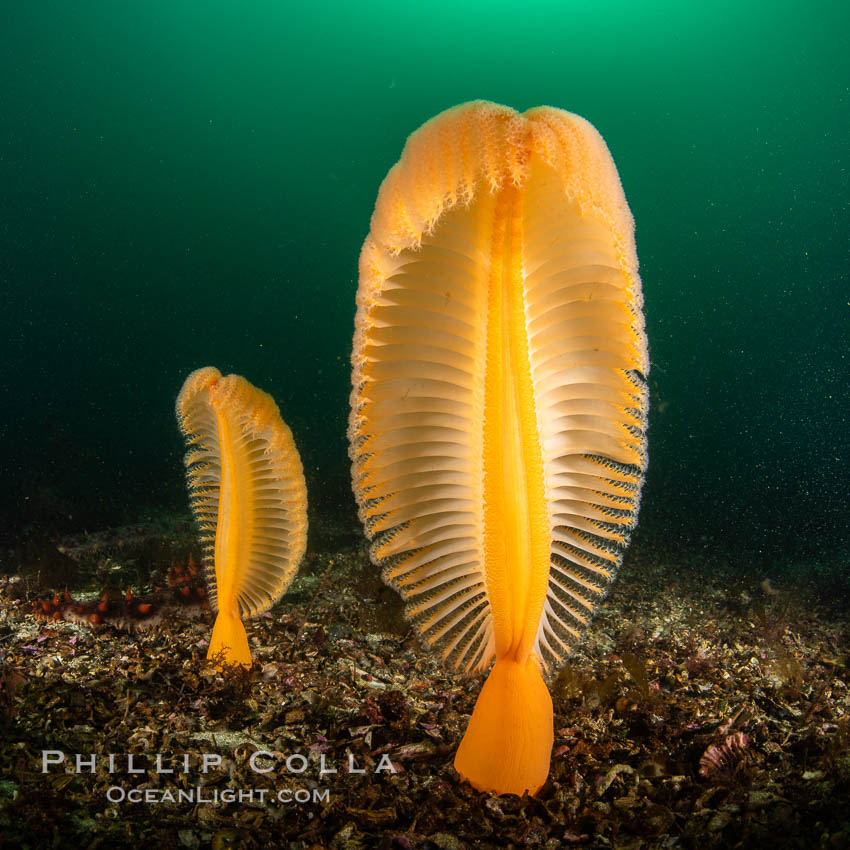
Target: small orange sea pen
[(499, 405), (247, 490)]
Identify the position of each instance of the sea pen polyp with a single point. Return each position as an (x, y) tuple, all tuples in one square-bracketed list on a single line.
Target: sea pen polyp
[(499, 405), (248, 495)]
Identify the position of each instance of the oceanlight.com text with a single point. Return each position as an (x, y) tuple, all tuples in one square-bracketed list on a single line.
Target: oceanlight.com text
[(201, 794)]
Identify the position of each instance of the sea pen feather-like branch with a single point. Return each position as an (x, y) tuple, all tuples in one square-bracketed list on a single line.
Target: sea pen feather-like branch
[(499, 404), (247, 490)]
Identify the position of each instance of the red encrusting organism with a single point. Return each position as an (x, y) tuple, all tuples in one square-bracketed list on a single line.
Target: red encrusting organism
[(185, 592)]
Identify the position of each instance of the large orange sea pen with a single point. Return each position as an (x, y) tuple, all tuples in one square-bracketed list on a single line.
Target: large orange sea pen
[(248, 494), (499, 404)]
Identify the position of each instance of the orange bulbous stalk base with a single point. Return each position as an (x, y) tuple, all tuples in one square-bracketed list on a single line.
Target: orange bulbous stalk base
[(508, 743), (229, 642)]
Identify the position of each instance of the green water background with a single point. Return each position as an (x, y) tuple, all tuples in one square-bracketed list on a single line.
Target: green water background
[(189, 183)]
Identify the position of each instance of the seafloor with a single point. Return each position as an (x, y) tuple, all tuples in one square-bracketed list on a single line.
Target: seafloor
[(706, 708)]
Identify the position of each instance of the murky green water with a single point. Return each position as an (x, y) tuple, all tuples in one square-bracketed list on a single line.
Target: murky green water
[(186, 184)]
